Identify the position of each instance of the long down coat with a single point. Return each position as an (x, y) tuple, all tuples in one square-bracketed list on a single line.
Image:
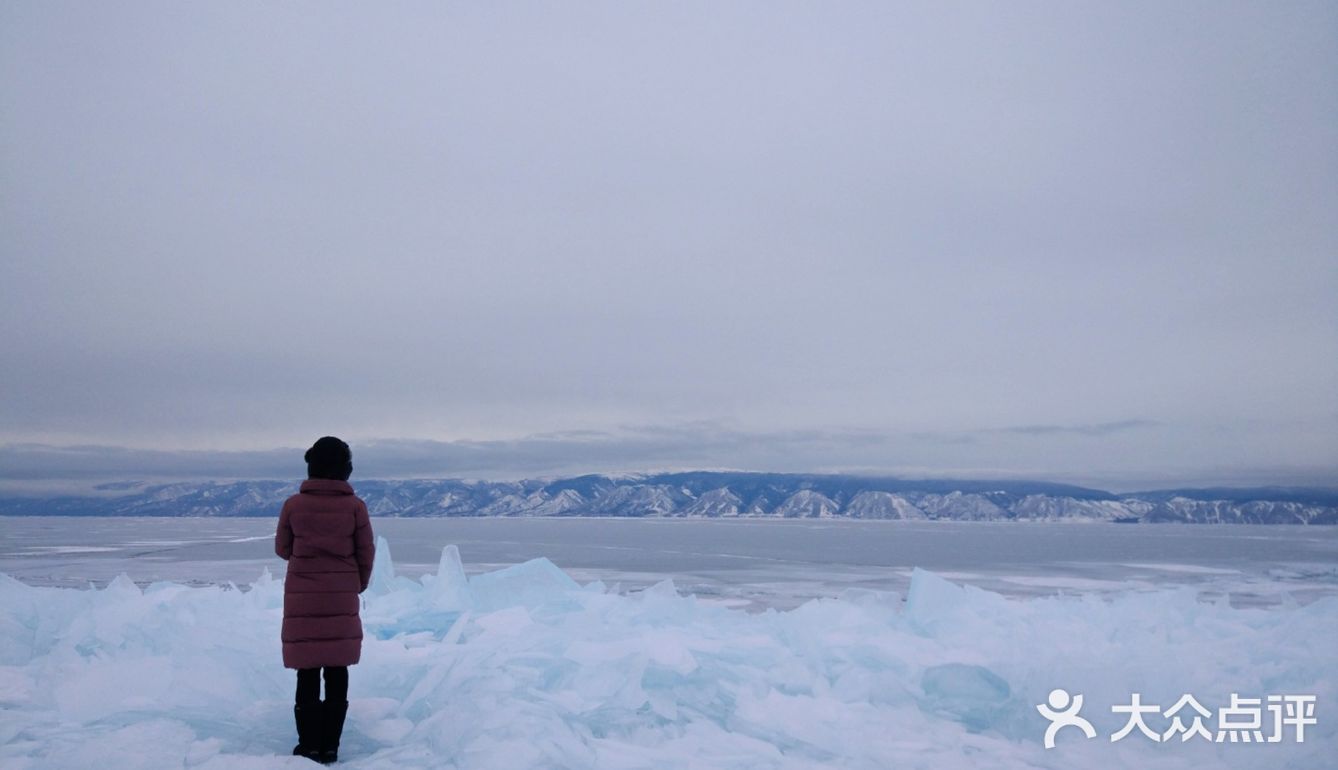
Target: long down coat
[(326, 537)]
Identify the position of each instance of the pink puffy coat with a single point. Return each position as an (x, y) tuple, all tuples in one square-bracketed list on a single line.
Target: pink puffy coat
[(326, 537)]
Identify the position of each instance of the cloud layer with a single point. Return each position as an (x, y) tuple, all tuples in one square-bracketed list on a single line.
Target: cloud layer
[(637, 449), (826, 236)]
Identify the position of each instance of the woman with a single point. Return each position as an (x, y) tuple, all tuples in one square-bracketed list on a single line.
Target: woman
[(326, 537)]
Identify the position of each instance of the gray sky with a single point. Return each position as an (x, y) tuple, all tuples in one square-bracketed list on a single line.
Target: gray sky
[(1090, 242)]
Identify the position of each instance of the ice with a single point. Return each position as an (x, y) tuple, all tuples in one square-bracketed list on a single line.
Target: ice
[(524, 667), (535, 582), (383, 571), (1191, 568), (972, 695), (72, 549)]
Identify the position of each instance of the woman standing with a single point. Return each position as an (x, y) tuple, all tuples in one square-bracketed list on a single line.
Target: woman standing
[(326, 537)]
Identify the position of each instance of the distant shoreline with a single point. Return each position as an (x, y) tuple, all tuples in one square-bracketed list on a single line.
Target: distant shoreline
[(711, 494)]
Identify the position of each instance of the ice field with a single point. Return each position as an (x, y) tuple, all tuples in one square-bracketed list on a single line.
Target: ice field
[(524, 667), (754, 564)]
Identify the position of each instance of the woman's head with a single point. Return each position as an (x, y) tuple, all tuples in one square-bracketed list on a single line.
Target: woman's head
[(329, 458)]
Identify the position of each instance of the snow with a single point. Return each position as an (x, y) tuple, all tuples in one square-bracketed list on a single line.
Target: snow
[(524, 667), (882, 505), (959, 505), (716, 502), (807, 503)]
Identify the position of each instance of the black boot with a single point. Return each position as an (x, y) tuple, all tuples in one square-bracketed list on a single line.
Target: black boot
[(308, 718), (332, 728)]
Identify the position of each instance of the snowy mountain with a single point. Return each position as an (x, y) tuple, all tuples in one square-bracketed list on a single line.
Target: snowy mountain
[(704, 494), (715, 503), (882, 505), (807, 504), (961, 506)]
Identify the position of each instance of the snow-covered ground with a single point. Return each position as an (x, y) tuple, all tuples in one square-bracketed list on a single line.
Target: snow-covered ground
[(524, 667)]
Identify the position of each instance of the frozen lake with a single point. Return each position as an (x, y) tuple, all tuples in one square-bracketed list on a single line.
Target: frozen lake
[(516, 665), (752, 563)]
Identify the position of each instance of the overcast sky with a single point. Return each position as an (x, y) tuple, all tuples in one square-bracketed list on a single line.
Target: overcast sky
[(1094, 242)]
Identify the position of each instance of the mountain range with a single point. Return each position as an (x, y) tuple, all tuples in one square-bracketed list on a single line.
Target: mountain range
[(714, 494)]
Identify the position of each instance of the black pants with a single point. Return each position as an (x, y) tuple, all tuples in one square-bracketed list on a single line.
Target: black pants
[(309, 684)]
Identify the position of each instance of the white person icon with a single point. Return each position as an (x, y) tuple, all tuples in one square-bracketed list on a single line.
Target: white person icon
[(1062, 711)]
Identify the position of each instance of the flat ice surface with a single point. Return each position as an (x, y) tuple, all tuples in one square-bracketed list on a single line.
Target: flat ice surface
[(523, 667), (751, 563)]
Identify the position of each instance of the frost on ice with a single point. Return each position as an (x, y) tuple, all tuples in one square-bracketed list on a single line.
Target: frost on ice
[(524, 668)]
